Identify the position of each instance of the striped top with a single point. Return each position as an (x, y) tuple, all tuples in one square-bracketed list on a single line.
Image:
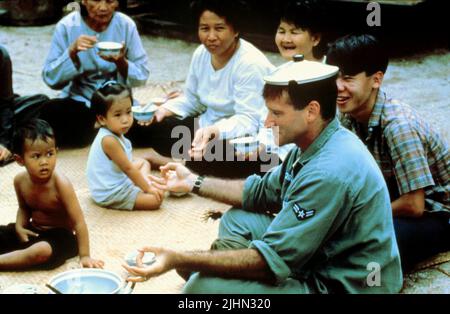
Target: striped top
[(410, 152)]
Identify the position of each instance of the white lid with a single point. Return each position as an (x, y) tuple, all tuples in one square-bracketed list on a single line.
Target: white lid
[(302, 71)]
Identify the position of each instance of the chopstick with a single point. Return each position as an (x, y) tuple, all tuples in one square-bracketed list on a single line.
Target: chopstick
[(53, 289)]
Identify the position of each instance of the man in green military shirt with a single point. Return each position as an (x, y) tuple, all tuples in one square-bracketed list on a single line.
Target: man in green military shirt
[(319, 223)]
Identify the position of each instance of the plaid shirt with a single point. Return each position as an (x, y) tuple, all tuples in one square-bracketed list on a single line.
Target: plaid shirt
[(410, 153)]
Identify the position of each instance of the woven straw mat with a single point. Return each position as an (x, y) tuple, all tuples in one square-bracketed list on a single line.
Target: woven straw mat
[(178, 224)]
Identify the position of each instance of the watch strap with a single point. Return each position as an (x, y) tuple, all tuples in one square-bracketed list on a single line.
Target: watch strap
[(197, 184)]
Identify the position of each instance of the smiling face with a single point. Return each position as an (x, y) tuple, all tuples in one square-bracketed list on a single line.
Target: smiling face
[(287, 123), (292, 40), (119, 117), (39, 158), (357, 94), (100, 12), (219, 37)]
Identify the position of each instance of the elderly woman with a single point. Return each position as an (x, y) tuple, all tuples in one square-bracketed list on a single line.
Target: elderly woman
[(75, 66), (223, 86)]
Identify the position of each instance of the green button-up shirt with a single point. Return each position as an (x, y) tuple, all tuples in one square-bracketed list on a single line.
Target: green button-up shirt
[(333, 226)]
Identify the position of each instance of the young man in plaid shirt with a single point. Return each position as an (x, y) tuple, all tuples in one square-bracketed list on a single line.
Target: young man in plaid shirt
[(413, 157)]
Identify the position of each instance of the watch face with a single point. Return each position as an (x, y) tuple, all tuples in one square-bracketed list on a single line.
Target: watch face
[(198, 182)]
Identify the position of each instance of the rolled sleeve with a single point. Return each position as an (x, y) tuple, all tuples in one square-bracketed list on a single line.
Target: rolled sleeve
[(409, 158), (251, 184), (177, 106), (184, 106), (263, 194), (276, 264)]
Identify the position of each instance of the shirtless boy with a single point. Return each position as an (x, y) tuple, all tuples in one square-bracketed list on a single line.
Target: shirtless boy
[(50, 227)]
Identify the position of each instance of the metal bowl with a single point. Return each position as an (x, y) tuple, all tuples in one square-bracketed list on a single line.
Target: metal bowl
[(88, 281)]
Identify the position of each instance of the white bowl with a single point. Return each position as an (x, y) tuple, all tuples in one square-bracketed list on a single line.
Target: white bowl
[(245, 145), (87, 281), (144, 113), (148, 259), (109, 48)]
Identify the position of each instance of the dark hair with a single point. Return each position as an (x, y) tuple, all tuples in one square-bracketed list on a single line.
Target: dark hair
[(354, 54), (323, 91), (233, 11), (310, 15), (35, 129), (103, 98)]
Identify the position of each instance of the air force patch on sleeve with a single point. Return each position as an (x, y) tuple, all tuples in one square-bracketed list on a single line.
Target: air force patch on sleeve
[(302, 213)]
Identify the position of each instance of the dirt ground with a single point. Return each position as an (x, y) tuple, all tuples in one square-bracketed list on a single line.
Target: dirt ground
[(420, 80)]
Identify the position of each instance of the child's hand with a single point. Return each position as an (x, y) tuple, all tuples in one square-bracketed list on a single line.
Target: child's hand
[(5, 154), (24, 234), (88, 262), (158, 193)]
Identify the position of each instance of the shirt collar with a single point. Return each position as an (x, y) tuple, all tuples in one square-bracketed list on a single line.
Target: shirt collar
[(319, 142), (375, 116), (374, 119)]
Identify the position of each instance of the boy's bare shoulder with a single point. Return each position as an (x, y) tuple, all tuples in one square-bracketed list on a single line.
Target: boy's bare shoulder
[(61, 180), (20, 178)]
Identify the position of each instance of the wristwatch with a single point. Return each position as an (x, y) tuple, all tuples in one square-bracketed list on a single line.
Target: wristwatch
[(197, 184)]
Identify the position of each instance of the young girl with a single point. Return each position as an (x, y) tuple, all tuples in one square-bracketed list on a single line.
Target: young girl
[(115, 179)]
